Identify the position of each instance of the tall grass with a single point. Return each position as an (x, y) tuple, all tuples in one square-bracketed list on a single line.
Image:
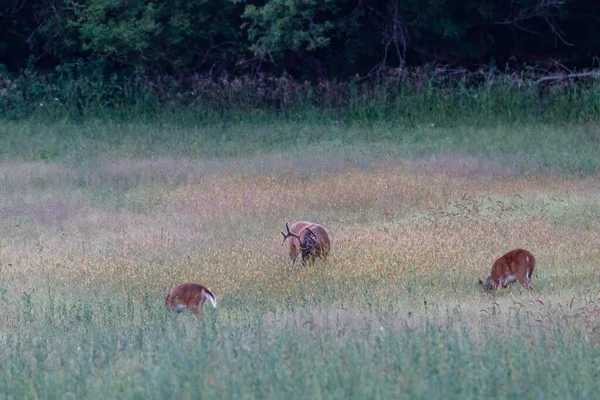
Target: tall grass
[(570, 148), (426, 95), (89, 250), (103, 209), (103, 348), (506, 117)]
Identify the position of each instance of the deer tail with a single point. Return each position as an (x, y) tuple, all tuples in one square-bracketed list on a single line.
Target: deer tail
[(211, 297)]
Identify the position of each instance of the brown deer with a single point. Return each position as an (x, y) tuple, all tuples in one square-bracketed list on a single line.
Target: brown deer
[(189, 295), (309, 239), (516, 265)]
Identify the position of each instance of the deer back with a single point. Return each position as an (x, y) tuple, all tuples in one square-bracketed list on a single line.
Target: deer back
[(297, 228), (516, 265), (189, 294)]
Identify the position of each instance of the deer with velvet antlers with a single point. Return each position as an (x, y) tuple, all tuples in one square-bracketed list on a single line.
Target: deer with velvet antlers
[(189, 296), (515, 266), (307, 238)]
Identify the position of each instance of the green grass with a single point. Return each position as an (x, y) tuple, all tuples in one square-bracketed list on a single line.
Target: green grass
[(101, 348), (100, 219), (570, 148)]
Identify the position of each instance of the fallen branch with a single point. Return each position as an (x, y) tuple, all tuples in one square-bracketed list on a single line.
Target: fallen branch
[(595, 74)]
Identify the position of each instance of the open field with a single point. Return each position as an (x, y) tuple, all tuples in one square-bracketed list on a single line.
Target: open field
[(94, 232)]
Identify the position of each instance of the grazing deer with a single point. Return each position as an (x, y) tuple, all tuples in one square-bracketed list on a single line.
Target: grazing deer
[(516, 265), (309, 239), (189, 295)]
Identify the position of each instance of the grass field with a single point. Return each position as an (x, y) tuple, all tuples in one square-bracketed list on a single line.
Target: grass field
[(99, 221)]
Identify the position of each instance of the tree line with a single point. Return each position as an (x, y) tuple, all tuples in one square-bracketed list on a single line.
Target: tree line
[(303, 39)]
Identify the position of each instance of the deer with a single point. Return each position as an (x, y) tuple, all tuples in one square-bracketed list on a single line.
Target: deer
[(307, 238), (516, 265), (190, 296)]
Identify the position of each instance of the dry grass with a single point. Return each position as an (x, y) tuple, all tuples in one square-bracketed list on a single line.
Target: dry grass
[(88, 252), (429, 226)]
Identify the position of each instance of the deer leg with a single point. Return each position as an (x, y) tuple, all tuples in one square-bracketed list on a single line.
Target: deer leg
[(303, 260), (523, 281), (197, 312), (527, 285)]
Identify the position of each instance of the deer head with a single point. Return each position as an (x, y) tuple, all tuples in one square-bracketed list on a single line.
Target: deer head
[(487, 286), (306, 243), (289, 234)]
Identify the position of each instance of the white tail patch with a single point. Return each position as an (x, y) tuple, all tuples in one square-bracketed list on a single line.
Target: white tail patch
[(210, 297)]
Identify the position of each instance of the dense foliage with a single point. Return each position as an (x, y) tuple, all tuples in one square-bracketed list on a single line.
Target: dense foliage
[(306, 38), (99, 52)]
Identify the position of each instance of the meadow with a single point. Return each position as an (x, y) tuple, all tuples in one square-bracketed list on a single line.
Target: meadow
[(99, 220)]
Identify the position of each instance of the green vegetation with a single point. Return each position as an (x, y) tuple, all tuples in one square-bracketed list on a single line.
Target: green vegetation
[(307, 39), (357, 59), (102, 216), (145, 144), (551, 146), (100, 348)]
